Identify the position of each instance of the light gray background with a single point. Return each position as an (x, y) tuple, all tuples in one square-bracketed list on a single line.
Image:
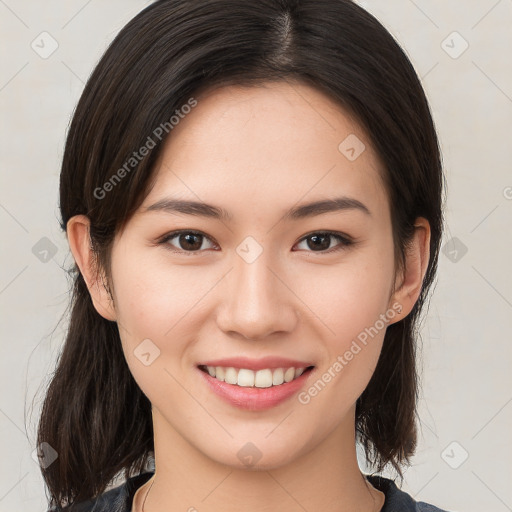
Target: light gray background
[(466, 338)]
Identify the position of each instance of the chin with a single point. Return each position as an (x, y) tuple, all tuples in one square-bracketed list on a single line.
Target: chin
[(253, 456)]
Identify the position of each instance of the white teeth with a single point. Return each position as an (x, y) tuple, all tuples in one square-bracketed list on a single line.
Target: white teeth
[(245, 378), (259, 379), (262, 378), (231, 376), (289, 374), (218, 372), (278, 377)]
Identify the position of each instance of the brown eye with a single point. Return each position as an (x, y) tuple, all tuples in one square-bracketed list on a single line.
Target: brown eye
[(190, 241), (193, 241), (186, 241), (321, 242)]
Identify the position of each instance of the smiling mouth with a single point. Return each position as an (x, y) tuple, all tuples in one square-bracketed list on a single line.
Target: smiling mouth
[(265, 378)]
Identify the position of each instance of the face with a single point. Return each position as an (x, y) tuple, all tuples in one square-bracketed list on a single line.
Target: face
[(259, 281)]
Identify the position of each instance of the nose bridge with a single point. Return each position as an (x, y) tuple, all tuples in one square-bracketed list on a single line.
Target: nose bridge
[(255, 303)]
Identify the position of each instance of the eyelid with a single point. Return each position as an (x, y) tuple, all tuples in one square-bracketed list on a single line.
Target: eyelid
[(345, 241), (173, 234)]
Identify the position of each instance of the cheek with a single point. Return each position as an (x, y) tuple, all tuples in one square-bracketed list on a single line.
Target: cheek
[(156, 301), (351, 302), (349, 297), (153, 296)]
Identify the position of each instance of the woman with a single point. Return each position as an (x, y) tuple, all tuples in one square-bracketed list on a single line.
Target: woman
[(252, 194)]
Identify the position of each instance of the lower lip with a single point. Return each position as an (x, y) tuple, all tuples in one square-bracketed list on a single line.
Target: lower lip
[(252, 398)]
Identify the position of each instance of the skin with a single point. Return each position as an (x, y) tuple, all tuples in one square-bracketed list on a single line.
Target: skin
[(256, 152)]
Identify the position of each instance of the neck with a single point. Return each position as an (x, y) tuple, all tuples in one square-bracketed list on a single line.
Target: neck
[(325, 478)]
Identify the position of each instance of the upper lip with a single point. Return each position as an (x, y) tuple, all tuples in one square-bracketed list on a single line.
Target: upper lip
[(270, 362)]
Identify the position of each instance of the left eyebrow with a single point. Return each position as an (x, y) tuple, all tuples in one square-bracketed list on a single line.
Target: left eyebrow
[(302, 211), (326, 206)]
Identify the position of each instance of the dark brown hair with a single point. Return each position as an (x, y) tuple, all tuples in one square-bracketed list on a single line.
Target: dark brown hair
[(94, 415)]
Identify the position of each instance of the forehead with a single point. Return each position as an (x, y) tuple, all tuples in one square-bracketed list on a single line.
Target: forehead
[(273, 144)]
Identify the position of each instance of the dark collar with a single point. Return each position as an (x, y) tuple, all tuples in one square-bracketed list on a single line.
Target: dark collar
[(396, 500), (120, 498)]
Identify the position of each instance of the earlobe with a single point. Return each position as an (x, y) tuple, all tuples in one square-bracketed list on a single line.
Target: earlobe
[(411, 279), (77, 231)]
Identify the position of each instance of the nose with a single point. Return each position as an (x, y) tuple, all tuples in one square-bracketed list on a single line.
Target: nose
[(256, 300)]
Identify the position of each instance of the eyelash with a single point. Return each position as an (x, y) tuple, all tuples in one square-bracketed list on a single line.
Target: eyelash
[(345, 241)]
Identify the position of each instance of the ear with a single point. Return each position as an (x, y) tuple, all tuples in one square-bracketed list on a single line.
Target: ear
[(408, 283), (80, 244)]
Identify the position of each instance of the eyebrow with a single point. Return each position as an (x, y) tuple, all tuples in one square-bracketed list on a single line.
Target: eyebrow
[(187, 207)]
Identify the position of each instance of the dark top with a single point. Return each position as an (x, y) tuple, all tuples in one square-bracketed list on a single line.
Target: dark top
[(120, 498)]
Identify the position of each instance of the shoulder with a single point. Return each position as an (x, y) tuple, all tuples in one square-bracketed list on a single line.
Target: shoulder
[(398, 500), (118, 499)]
